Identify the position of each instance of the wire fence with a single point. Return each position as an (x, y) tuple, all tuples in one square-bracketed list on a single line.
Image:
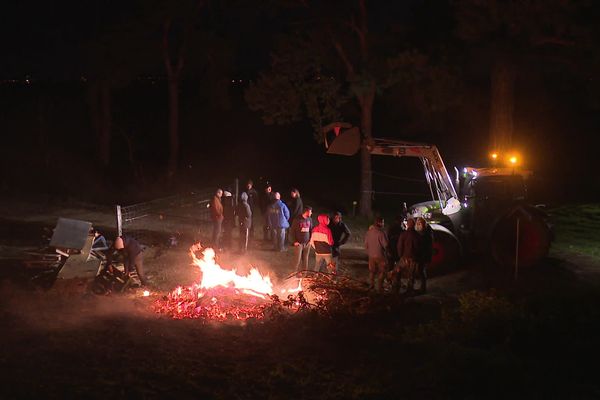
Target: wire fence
[(151, 221)]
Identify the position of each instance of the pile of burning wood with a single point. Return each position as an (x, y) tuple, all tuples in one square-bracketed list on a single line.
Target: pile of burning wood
[(224, 295), (221, 303)]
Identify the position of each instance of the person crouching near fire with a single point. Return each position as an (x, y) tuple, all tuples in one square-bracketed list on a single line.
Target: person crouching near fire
[(322, 240), (376, 243), (132, 256)]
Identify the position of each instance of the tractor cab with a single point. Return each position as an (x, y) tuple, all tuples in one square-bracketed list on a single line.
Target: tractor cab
[(487, 193)]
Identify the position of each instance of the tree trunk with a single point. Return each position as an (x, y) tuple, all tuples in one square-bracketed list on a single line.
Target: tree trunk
[(42, 131), (173, 126), (100, 112), (366, 176), (106, 124), (502, 105)]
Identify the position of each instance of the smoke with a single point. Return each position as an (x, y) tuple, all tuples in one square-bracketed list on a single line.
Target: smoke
[(67, 306)]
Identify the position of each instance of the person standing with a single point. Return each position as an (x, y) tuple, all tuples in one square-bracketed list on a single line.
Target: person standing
[(252, 202), (266, 201), (408, 252), (278, 216), (425, 251), (321, 240), (132, 256), (244, 213), (296, 207), (393, 234), (300, 235), (376, 243), (228, 218), (216, 212), (340, 233)]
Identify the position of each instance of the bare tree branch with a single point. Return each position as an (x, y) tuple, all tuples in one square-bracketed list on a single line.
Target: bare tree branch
[(342, 53)]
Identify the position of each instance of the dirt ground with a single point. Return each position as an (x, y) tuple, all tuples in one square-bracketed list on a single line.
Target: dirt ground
[(68, 342)]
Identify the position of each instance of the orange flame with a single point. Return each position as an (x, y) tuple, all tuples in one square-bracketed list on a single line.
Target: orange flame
[(213, 275)]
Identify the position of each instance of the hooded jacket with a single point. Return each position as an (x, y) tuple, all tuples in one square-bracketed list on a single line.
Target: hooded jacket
[(244, 211), (278, 215), (321, 238)]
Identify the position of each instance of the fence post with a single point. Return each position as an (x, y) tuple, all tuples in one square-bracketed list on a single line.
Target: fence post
[(119, 221)]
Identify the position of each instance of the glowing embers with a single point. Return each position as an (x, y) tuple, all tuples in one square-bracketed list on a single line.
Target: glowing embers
[(221, 295), (215, 304)]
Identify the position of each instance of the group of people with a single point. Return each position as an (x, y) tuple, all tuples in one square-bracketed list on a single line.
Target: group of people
[(402, 250), (405, 249), (224, 212), (326, 239), (284, 224), (399, 252)]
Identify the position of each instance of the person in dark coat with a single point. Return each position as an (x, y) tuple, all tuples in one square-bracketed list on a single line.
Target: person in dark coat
[(295, 206), (252, 202), (300, 235), (341, 234), (244, 213), (228, 218), (425, 251), (408, 252), (394, 232), (266, 200), (133, 258)]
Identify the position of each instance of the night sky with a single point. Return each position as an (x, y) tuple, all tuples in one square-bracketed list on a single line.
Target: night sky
[(49, 60)]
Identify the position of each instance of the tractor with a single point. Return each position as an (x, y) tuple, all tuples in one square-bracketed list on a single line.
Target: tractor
[(481, 210)]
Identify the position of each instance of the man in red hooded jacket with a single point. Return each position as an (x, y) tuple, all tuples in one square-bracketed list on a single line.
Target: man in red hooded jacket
[(322, 240)]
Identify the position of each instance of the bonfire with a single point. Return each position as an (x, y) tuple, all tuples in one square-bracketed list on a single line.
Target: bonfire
[(223, 294)]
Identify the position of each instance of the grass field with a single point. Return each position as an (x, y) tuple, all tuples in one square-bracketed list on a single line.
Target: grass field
[(472, 337), (577, 229)]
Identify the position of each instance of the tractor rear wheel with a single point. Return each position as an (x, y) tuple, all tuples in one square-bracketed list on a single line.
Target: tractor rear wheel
[(526, 233), (446, 253)]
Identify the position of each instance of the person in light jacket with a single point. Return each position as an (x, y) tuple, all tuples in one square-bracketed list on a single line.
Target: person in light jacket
[(376, 243), (244, 213)]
